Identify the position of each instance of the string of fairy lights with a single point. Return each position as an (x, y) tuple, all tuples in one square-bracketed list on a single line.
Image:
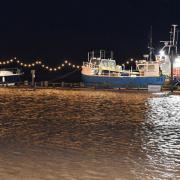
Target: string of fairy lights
[(48, 67), (40, 64), (129, 62)]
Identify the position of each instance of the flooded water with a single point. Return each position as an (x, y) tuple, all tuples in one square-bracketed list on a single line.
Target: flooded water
[(88, 135)]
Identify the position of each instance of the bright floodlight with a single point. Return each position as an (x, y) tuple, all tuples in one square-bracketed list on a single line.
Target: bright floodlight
[(177, 62), (162, 53)]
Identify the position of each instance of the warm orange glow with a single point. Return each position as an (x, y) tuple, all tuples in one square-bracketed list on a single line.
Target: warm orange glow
[(40, 62)]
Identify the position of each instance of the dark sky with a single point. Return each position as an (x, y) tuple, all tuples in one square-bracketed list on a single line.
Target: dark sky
[(55, 30)]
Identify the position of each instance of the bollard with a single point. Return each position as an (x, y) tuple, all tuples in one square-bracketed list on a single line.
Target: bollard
[(81, 84), (46, 83), (26, 83), (41, 83)]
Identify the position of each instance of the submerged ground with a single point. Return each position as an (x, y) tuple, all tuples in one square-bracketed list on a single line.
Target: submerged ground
[(88, 135)]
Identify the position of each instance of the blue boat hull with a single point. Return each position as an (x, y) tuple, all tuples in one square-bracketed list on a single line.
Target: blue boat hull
[(10, 79), (122, 82)]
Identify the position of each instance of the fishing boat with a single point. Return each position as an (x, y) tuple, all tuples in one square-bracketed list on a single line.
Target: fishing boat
[(9, 76), (100, 71)]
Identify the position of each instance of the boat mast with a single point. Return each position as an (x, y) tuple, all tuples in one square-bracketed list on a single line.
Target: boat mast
[(150, 46), (173, 47)]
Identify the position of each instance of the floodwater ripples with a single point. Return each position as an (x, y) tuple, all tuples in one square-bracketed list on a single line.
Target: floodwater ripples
[(88, 134)]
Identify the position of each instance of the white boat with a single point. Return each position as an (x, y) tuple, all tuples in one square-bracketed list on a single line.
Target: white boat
[(10, 76)]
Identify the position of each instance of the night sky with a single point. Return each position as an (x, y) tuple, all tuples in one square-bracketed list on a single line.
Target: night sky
[(58, 30)]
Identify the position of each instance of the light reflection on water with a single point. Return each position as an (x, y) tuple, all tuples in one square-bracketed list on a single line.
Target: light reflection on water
[(83, 134), (162, 137)]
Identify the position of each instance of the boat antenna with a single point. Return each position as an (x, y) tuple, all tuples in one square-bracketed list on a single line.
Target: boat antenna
[(112, 55), (177, 38), (88, 56), (173, 46), (174, 38), (150, 46)]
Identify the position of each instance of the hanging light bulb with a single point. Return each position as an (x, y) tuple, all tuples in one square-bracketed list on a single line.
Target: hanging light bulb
[(62, 65), (66, 62), (59, 67), (69, 64)]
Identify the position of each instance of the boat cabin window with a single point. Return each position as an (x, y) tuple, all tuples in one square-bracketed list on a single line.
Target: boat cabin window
[(141, 67), (151, 67), (112, 64), (108, 63), (95, 61), (104, 63)]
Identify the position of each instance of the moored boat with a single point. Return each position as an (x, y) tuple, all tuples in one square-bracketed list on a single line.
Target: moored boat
[(104, 72), (10, 76)]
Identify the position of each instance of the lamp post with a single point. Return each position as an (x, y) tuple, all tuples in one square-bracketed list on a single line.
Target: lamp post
[(33, 78), (172, 77), (173, 52)]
